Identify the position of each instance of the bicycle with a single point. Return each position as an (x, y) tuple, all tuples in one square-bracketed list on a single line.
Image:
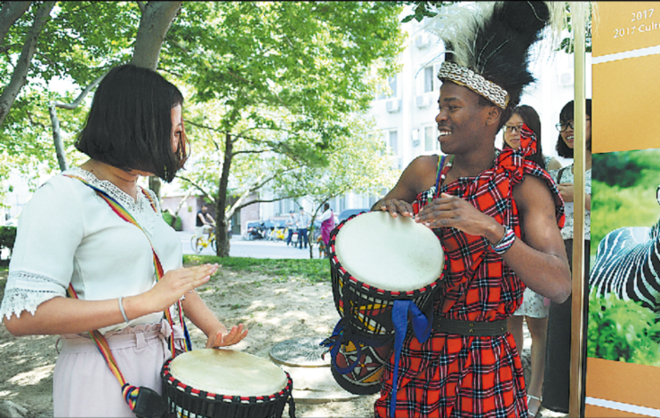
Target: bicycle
[(199, 243)]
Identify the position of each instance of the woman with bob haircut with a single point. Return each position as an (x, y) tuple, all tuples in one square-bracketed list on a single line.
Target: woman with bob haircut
[(76, 237)]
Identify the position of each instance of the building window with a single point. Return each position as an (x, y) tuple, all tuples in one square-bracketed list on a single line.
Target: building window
[(393, 142), (428, 79), (430, 138)]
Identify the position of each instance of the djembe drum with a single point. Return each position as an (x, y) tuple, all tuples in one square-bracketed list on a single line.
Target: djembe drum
[(214, 383), (385, 272)]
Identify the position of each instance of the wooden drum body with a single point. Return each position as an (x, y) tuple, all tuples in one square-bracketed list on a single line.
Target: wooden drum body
[(218, 383)]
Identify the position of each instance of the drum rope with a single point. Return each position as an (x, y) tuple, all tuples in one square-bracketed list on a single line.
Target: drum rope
[(401, 312), (141, 405)]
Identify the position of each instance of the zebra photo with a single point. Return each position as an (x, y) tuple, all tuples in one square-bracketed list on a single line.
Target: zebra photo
[(628, 265)]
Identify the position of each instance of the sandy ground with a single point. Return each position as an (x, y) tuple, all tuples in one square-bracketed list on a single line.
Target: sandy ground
[(273, 310)]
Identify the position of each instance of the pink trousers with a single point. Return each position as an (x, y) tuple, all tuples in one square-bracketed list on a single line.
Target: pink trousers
[(83, 385)]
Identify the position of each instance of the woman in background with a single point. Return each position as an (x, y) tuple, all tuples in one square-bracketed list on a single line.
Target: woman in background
[(534, 308), (558, 355)]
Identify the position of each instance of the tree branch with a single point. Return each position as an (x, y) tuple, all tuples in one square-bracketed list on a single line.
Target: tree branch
[(83, 94), (19, 76), (263, 201), (10, 12), (57, 137), (198, 187), (252, 151)]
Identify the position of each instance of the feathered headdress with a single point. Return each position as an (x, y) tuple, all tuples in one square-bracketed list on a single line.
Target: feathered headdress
[(487, 44)]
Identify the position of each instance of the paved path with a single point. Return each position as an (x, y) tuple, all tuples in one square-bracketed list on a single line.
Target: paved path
[(254, 249)]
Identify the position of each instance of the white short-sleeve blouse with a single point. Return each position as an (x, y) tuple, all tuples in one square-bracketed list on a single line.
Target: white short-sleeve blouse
[(69, 234)]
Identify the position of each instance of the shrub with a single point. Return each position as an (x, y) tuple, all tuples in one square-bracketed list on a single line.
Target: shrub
[(622, 331), (172, 220), (7, 237)]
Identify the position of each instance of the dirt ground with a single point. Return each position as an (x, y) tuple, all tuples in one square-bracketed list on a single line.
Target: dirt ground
[(274, 310)]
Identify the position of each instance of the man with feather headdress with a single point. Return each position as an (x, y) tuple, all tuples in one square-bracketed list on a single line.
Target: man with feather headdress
[(497, 215)]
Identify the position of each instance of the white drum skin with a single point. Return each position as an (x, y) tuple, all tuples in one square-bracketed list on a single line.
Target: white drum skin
[(228, 372), (393, 254)]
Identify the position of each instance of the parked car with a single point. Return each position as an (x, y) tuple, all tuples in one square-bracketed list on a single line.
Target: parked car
[(347, 213), (254, 230), (275, 229)]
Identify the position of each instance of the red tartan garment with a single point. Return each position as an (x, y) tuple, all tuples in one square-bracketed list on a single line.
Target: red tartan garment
[(456, 376)]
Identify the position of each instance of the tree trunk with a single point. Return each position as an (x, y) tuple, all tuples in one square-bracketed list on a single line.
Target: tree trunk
[(11, 11), (19, 76), (222, 239), (157, 17)]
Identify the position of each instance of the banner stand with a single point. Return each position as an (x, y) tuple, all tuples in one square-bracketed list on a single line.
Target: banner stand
[(579, 23)]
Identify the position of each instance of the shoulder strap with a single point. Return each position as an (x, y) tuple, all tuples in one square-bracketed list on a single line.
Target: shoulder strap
[(560, 172)]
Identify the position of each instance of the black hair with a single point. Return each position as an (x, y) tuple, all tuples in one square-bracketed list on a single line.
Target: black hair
[(531, 118), (566, 115), (326, 206), (130, 124)]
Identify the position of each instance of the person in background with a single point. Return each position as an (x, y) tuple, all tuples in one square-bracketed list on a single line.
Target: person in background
[(204, 223), (558, 354), (534, 308), (303, 225), (511, 135), (327, 225), (291, 226), (75, 233)]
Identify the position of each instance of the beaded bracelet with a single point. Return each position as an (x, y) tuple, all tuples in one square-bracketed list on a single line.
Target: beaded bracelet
[(121, 309), (505, 243)]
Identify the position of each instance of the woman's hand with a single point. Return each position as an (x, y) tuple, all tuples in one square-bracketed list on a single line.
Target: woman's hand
[(395, 207), (452, 211), (176, 283), (566, 191), (222, 338)]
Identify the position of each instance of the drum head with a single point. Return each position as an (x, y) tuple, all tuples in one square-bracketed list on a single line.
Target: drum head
[(227, 372), (394, 254)]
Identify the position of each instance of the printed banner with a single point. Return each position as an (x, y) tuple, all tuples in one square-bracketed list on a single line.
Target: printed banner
[(623, 341), (626, 75)]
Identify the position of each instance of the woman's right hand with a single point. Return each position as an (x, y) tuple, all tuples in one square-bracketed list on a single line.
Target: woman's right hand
[(395, 207), (566, 191), (176, 283)]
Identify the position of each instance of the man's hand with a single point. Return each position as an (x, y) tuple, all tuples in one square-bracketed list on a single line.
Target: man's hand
[(452, 211), (395, 207)]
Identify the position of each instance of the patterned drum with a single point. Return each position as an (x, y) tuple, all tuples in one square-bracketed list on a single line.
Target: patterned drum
[(377, 262), (218, 383)]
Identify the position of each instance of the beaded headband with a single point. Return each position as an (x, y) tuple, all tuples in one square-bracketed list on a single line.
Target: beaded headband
[(475, 82)]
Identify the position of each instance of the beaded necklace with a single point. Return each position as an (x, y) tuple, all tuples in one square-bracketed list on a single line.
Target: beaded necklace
[(441, 175)]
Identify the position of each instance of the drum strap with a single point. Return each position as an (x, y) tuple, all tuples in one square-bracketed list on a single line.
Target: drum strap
[(401, 312), (142, 400)]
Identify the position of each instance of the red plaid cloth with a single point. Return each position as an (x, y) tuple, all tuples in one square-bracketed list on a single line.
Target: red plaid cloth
[(456, 376)]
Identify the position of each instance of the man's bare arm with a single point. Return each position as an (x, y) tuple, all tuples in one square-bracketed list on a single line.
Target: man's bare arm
[(543, 264), (417, 177)]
